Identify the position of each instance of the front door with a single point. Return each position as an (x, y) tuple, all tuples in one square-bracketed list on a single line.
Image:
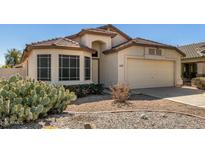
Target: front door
[(190, 70)]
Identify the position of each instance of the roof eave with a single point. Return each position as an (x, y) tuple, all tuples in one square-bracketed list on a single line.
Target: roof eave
[(29, 48), (116, 29), (140, 44), (95, 33)]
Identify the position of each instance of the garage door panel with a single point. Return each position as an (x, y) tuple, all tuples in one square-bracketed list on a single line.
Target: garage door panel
[(150, 73)]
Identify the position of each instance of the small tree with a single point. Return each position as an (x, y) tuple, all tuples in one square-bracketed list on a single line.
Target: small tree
[(13, 57)]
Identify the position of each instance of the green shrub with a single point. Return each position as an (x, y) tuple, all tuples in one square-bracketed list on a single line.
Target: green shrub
[(27, 100), (86, 89), (198, 82)]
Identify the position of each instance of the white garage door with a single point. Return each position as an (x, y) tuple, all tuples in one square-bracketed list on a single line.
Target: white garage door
[(150, 73)]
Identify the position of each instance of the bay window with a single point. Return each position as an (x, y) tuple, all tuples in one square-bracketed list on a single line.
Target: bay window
[(44, 67), (87, 68), (69, 68)]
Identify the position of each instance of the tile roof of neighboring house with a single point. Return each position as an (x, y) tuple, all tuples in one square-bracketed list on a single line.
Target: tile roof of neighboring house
[(141, 42), (194, 50), (57, 43)]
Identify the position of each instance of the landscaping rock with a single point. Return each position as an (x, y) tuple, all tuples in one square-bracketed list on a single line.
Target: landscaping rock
[(50, 127), (143, 116), (164, 115), (121, 120), (89, 126)]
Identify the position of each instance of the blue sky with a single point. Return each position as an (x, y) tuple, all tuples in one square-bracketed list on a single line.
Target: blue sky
[(16, 36)]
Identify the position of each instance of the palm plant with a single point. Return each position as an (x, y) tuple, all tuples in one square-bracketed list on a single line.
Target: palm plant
[(13, 57)]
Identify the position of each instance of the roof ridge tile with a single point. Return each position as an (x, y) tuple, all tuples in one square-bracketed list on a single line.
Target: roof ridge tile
[(43, 41)]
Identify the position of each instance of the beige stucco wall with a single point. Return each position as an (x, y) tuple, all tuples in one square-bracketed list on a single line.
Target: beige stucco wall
[(95, 70), (108, 69), (108, 63), (142, 53), (118, 39), (98, 46), (113, 67), (87, 40), (32, 63)]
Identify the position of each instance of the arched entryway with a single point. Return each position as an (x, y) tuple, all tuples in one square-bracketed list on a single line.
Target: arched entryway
[(98, 46)]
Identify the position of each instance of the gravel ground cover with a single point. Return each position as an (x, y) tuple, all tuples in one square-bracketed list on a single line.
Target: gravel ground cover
[(104, 103), (123, 120), (126, 120)]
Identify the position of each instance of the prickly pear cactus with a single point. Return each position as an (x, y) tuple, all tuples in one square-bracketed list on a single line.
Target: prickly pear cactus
[(27, 100)]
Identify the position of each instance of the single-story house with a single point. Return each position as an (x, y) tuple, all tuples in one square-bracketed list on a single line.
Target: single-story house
[(193, 64), (103, 55)]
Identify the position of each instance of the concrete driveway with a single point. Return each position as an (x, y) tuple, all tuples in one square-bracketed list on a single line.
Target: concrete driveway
[(186, 95)]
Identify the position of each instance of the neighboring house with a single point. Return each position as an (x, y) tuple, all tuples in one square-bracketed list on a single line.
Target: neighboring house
[(194, 63), (103, 55)]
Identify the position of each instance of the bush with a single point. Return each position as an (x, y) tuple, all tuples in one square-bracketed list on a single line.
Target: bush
[(198, 82), (120, 93), (86, 89), (27, 100)]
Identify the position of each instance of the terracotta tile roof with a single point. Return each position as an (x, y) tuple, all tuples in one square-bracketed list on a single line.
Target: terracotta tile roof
[(58, 43), (194, 50), (96, 31), (109, 30), (111, 27), (141, 42), (150, 42)]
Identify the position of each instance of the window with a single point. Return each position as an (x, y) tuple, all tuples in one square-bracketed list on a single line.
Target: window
[(159, 52), (95, 54), (69, 68), (87, 68), (44, 67), (153, 51)]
